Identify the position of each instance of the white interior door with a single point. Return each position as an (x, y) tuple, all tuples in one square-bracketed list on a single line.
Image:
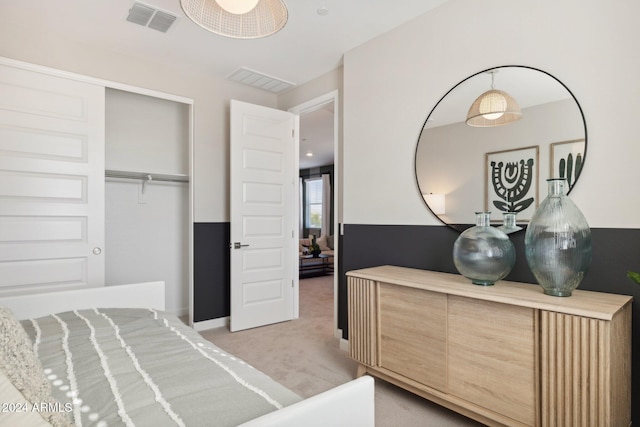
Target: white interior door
[(264, 236), (51, 182)]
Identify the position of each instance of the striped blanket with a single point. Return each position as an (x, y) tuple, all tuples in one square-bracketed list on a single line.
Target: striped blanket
[(138, 367)]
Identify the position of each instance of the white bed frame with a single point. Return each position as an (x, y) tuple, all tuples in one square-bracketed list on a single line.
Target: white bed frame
[(350, 404)]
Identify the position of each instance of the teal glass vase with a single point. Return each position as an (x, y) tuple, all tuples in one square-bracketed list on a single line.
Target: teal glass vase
[(558, 242), (483, 254)]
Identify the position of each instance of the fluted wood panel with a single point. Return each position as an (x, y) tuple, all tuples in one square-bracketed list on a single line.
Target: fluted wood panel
[(362, 320), (575, 376), (620, 345)]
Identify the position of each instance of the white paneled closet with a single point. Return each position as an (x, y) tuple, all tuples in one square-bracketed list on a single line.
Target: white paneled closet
[(51, 182), (62, 223)]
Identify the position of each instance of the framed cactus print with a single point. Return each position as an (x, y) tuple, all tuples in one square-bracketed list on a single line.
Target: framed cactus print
[(566, 159), (511, 182)]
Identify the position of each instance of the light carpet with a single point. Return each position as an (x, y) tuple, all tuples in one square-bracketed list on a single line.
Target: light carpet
[(304, 355)]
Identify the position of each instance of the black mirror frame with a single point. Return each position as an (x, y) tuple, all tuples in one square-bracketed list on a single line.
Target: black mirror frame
[(462, 227)]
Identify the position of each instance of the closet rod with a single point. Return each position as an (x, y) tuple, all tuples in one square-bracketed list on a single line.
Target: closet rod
[(145, 176)]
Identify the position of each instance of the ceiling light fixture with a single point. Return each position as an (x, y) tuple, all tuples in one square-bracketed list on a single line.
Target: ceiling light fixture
[(493, 108), (237, 7), (240, 19)]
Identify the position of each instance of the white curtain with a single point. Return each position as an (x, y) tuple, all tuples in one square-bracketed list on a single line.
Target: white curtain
[(326, 205)]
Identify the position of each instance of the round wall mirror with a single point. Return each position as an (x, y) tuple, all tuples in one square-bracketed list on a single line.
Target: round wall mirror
[(525, 126)]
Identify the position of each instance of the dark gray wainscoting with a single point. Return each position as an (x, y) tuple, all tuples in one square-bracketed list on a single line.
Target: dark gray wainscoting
[(430, 248), (211, 270)]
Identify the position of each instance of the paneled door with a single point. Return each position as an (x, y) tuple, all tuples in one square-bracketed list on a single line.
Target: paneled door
[(264, 236), (51, 182)]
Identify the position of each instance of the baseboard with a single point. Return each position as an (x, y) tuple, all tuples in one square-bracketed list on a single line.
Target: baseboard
[(211, 324), (344, 344)]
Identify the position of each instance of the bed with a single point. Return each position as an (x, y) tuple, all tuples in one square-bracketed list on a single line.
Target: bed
[(112, 356)]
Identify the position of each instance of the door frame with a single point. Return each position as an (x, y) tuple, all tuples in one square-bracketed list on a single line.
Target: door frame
[(308, 107), (140, 91)]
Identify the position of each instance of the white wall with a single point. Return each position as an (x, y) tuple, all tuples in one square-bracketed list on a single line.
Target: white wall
[(146, 134), (317, 87), (147, 237), (393, 82)]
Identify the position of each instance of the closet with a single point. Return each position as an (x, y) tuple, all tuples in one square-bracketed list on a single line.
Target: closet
[(147, 193), (94, 184)]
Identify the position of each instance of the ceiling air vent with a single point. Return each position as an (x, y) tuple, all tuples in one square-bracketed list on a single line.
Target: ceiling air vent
[(259, 80), (161, 21), (148, 16)]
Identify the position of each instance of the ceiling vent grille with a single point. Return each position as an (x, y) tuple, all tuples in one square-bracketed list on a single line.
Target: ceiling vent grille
[(259, 80), (148, 16)]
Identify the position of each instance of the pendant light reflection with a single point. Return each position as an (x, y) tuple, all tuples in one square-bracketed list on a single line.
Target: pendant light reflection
[(240, 19), (493, 108)]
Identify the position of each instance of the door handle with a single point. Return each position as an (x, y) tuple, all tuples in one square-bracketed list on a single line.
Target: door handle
[(237, 245)]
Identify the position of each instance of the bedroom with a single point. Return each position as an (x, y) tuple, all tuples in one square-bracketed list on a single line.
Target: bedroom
[(587, 45)]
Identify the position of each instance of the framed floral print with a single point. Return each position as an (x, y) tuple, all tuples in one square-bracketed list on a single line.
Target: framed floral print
[(511, 182)]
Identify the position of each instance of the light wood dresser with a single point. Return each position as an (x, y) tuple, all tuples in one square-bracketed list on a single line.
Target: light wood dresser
[(505, 355)]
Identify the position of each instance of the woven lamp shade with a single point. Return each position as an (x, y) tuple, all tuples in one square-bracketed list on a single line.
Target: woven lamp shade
[(493, 108), (267, 18)]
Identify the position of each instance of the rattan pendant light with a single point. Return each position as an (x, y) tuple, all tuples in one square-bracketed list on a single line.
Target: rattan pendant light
[(240, 19), (493, 108)]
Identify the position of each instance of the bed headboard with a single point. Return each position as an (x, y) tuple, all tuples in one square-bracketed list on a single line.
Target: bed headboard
[(137, 295)]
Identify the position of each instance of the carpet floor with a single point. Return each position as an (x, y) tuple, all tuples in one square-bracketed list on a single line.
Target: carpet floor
[(304, 356)]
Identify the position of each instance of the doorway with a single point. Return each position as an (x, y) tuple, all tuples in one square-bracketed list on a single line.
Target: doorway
[(319, 136)]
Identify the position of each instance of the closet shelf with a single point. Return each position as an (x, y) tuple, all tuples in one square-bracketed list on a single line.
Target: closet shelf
[(146, 176)]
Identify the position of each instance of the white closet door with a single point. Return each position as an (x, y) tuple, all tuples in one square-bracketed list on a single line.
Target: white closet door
[(51, 182)]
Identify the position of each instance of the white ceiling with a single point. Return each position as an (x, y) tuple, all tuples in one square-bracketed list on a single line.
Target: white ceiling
[(309, 45)]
